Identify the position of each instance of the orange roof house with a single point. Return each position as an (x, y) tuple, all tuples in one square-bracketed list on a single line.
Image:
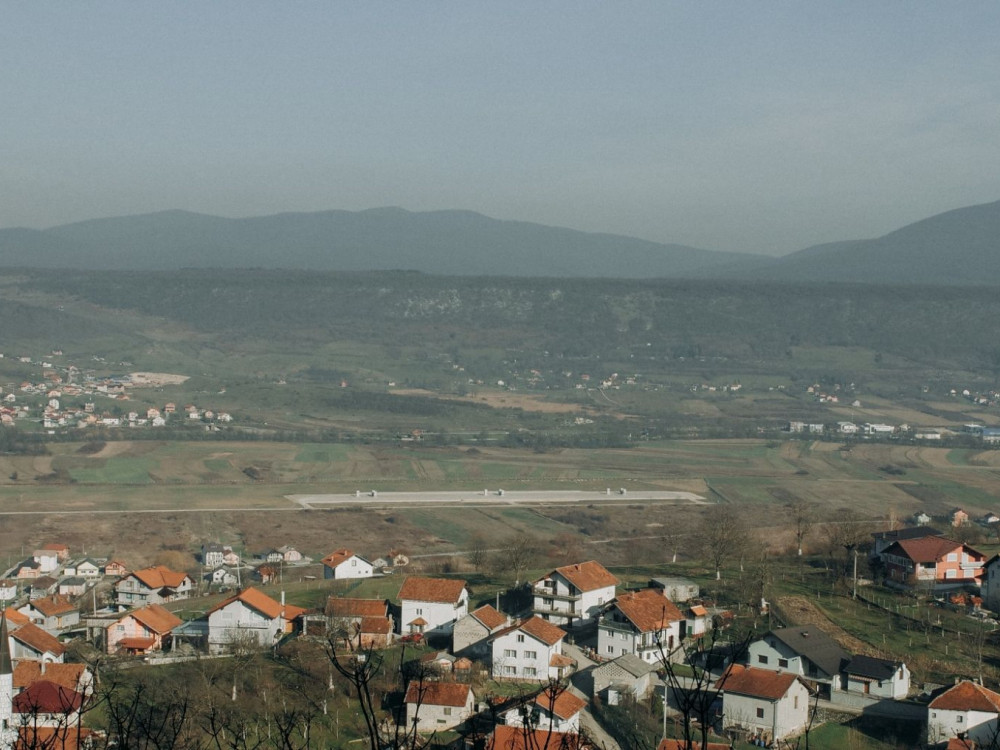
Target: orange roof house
[(644, 623), (140, 631), (250, 618), (967, 710), (31, 642), (437, 602), (74, 677), (153, 585), (433, 706)]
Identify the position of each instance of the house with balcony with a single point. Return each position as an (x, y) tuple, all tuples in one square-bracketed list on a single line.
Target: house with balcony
[(154, 585), (768, 706), (644, 623), (936, 562), (573, 594), (140, 631)]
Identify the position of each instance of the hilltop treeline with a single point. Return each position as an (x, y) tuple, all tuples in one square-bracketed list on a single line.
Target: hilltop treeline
[(576, 317)]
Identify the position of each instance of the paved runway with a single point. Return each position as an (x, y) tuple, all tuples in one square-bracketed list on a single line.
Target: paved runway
[(374, 498)]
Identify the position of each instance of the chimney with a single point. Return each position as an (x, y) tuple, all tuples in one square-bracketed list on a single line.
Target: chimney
[(41, 669)]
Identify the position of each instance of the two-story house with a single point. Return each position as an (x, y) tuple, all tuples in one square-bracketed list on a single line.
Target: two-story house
[(644, 623), (431, 606), (52, 613), (935, 561), (530, 650), (154, 585), (803, 651), (250, 619), (360, 623), (140, 631), (573, 594)]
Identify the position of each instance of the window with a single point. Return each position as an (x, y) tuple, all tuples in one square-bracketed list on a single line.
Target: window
[(783, 663), (420, 610), (509, 653), (795, 701), (958, 719), (952, 557), (611, 649), (520, 638), (509, 670), (951, 574), (447, 711), (760, 713), (530, 672), (761, 659), (530, 654)]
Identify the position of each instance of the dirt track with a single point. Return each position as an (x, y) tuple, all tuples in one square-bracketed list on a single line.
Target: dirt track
[(804, 612)]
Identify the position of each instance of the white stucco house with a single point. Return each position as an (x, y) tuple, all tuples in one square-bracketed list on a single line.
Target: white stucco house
[(877, 679), (644, 623), (345, 564), (250, 618), (431, 606), (573, 594), (807, 652), (471, 633), (436, 706), (966, 710), (530, 650), (768, 705), (554, 709)]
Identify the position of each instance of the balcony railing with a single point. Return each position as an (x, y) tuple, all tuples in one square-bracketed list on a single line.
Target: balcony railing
[(550, 594)]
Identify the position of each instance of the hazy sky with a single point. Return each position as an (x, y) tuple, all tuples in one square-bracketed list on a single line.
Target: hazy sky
[(726, 125)]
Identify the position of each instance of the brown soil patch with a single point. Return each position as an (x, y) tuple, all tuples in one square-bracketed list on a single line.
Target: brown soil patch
[(504, 401), (804, 612)]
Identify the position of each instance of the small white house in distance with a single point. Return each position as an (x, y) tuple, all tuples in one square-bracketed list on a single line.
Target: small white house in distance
[(530, 650), (436, 706), (432, 605), (965, 710), (553, 709), (573, 594), (644, 623), (768, 705), (345, 564)]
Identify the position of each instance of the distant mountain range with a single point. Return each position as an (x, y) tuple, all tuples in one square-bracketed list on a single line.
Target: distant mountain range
[(957, 247)]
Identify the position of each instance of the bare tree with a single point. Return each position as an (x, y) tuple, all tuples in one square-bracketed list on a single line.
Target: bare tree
[(720, 532), (802, 521), (516, 554)]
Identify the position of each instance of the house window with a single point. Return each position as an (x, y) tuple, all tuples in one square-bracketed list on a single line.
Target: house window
[(958, 719), (761, 659), (611, 649), (509, 653), (795, 701), (951, 574), (420, 610), (520, 638), (447, 711), (760, 713), (783, 663), (530, 654), (530, 671), (509, 670), (952, 557)]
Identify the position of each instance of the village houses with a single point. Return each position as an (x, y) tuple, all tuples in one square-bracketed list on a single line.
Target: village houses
[(530, 650), (431, 606), (573, 594)]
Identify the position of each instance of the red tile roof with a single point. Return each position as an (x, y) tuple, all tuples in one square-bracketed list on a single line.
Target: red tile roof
[(337, 557), (967, 696), (137, 643), (15, 618), (562, 703), (443, 590), (758, 683), (29, 671), (375, 626), (48, 698), (648, 610), (926, 549), (156, 618), (587, 576), (336, 607), (55, 738), (489, 617), (255, 599), (160, 576), (543, 630), (37, 639), (956, 744), (517, 738), (438, 693)]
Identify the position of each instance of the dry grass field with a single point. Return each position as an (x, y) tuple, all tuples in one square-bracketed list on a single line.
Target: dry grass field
[(142, 500)]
